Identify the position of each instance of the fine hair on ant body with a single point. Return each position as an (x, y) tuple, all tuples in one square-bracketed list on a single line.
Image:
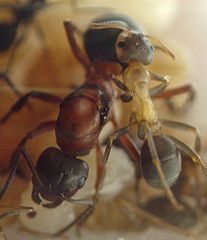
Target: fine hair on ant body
[(59, 173)]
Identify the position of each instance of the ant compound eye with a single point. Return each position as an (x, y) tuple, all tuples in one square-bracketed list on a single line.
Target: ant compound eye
[(121, 44)]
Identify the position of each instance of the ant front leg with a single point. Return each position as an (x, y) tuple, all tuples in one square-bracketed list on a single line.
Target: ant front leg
[(161, 87), (144, 127), (21, 102)]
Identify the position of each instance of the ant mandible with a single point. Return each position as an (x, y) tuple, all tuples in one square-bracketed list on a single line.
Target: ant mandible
[(59, 173), (11, 37)]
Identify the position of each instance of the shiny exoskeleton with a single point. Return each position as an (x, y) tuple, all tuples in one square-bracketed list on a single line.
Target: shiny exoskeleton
[(59, 173), (118, 38)]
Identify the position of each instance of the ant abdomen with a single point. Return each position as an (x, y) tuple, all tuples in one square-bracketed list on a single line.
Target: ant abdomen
[(170, 159)]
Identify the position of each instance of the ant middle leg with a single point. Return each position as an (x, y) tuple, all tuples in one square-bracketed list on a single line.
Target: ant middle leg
[(21, 102)]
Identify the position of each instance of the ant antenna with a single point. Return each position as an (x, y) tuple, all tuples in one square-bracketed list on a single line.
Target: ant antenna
[(160, 46)]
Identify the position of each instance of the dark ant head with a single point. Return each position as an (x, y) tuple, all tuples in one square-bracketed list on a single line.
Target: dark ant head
[(60, 175), (170, 160), (132, 46)]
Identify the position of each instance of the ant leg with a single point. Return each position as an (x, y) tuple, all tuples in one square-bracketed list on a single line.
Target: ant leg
[(81, 57), (21, 102), (190, 152), (187, 88), (100, 169), (41, 128), (128, 145), (3, 75), (82, 216), (15, 211), (128, 94), (154, 91), (8, 81), (185, 127), (156, 162)]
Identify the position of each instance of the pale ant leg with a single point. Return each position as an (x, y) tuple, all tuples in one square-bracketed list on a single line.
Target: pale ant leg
[(128, 145), (191, 154), (156, 161), (161, 87), (185, 127), (21, 102)]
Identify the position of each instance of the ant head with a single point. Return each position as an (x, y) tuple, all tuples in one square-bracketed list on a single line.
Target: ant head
[(132, 46), (60, 175), (170, 160)]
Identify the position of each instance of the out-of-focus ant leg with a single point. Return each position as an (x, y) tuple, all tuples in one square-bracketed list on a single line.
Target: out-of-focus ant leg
[(7, 80), (11, 59), (91, 203), (185, 127), (81, 57), (41, 128), (21, 102), (168, 94)]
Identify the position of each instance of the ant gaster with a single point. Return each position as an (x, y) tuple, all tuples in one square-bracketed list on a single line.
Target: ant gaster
[(59, 173)]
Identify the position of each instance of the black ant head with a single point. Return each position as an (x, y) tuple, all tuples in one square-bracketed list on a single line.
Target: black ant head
[(132, 46), (60, 175), (170, 160)]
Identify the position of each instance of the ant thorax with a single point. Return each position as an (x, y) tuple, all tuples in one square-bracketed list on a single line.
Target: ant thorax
[(137, 78)]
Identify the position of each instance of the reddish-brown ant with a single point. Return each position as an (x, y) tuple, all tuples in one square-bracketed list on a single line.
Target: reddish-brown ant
[(59, 174)]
